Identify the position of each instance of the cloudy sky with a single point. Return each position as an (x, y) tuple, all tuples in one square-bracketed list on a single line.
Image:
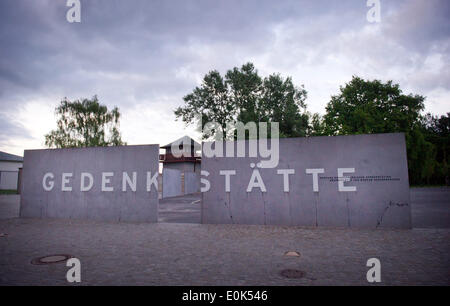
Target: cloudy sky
[(144, 56)]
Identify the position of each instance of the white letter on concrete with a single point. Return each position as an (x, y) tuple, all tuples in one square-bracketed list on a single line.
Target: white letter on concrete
[(51, 183), (286, 173), (205, 181), (227, 174), (256, 181), (74, 274), (65, 180), (106, 180), (83, 187), (152, 180), (374, 273), (126, 180), (315, 173), (342, 179)]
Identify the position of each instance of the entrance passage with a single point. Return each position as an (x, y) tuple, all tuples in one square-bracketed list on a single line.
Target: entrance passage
[(182, 209)]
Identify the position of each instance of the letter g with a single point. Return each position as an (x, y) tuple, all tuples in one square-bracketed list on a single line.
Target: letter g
[(49, 186)]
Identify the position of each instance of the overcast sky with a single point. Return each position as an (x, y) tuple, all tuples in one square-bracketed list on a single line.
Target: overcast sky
[(144, 56)]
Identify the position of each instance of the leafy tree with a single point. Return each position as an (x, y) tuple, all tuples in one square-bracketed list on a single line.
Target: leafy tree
[(365, 107), (317, 126), (283, 102), (437, 132), (211, 101), (242, 95), (85, 123)]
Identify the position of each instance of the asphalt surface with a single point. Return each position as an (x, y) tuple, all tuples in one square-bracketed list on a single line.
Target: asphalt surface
[(183, 209), (430, 207)]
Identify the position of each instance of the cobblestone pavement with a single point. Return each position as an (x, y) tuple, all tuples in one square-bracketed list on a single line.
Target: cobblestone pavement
[(195, 254)]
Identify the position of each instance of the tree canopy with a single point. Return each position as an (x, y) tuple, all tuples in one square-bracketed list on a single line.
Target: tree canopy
[(366, 107), (243, 95), (85, 123), (361, 107)]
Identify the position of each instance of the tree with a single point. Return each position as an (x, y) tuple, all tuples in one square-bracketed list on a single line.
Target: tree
[(365, 107), (437, 132), (317, 126), (242, 95), (211, 101), (85, 123)]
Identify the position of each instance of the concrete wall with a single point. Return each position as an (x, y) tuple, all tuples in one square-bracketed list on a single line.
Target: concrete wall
[(191, 183), (171, 183), (381, 198), (97, 203)]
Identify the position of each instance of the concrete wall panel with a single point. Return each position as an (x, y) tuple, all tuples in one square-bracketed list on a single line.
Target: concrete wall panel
[(116, 205), (381, 198)]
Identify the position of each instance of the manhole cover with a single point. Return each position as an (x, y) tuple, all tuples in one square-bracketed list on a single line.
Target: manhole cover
[(50, 259), (292, 253), (292, 273)]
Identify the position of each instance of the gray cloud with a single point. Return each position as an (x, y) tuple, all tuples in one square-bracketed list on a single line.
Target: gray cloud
[(10, 129), (152, 53)]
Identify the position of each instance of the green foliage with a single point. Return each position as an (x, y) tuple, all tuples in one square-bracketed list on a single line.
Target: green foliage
[(85, 123), (365, 107), (437, 131), (361, 107), (242, 95), (8, 191)]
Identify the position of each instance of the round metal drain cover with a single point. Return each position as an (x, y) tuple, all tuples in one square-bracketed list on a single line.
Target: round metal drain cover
[(292, 254), (51, 259), (292, 273)]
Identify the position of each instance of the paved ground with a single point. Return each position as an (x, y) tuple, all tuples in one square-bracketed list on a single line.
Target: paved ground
[(195, 254), (184, 209), (9, 206), (430, 207)]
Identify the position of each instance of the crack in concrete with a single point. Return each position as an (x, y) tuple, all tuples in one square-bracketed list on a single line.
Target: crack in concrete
[(229, 207), (386, 209)]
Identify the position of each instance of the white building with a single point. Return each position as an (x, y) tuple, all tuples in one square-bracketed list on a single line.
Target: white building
[(9, 170)]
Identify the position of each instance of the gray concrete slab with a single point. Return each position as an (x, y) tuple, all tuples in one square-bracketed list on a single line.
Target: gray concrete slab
[(430, 208), (376, 195), (118, 181)]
